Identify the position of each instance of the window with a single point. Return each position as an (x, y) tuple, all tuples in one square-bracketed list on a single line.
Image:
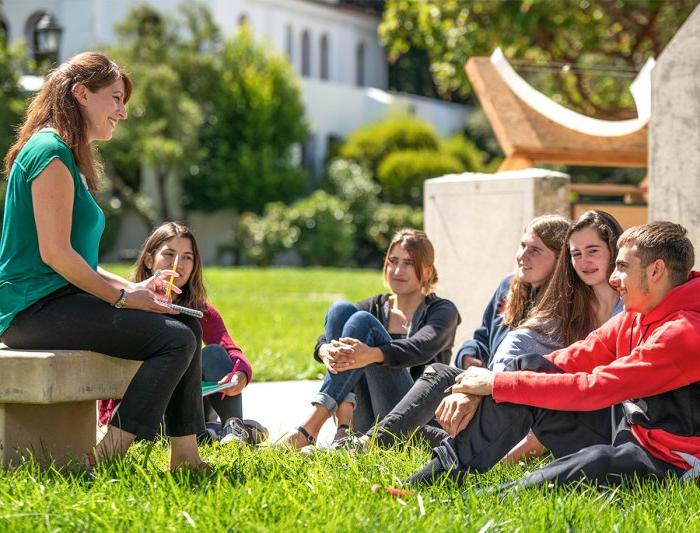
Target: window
[(305, 54), (289, 45), (360, 65), (4, 32), (324, 58), (242, 20)]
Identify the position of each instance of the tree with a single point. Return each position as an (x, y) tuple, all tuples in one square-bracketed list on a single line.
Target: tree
[(171, 62), (254, 117), (599, 44)]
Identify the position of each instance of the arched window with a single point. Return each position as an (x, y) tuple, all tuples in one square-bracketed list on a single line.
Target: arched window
[(360, 65), (324, 57), (43, 33), (305, 54), (289, 42)]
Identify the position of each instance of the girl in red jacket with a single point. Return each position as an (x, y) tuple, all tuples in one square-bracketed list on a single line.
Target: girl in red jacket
[(222, 360)]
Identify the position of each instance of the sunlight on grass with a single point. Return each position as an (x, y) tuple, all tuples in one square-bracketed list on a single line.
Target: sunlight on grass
[(275, 315)]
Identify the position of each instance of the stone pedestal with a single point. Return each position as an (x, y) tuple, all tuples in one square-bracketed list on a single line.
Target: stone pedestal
[(674, 133), (47, 401), (475, 222)]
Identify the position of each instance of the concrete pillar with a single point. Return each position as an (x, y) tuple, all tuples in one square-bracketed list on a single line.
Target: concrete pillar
[(475, 222), (674, 132), (58, 432)]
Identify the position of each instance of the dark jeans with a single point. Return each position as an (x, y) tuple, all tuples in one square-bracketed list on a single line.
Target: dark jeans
[(593, 445), (377, 388), (415, 412), (168, 383), (216, 363)]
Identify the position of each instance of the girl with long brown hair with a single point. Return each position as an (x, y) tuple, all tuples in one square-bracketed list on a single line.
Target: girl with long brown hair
[(173, 246), (53, 294)]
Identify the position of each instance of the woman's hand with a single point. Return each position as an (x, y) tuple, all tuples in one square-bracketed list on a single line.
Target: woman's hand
[(330, 352), (474, 380), (239, 378), (145, 300), (158, 283), (456, 411), (360, 356)]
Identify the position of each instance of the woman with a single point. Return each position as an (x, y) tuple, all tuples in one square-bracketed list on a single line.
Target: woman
[(53, 294), (369, 348), (222, 359), (578, 300), (535, 260)]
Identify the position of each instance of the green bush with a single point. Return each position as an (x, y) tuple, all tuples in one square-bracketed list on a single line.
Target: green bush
[(402, 173), (465, 151), (370, 145), (263, 237), (326, 230), (319, 228), (388, 219)]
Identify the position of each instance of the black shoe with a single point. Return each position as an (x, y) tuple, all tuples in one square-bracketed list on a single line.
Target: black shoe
[(234, 431), (256, 431), (211, 433), (433, 471)]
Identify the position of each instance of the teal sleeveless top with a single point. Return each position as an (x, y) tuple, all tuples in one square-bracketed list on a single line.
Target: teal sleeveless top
[(24, 277)]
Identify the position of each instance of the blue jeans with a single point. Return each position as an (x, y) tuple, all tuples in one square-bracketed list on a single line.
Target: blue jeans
[(379, 388), (215, 365)]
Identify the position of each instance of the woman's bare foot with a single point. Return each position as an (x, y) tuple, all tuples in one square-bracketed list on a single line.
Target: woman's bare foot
[(184, 454)]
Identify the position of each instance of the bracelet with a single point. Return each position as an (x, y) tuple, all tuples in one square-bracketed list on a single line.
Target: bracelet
[(122, 299)]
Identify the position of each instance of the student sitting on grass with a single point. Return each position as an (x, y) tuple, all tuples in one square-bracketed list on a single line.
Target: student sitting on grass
[(222, 360), (536, 258), (52, 293), (643, 363), (369, 348)]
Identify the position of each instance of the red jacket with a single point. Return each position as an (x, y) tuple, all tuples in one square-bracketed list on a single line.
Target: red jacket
[(649, 363)]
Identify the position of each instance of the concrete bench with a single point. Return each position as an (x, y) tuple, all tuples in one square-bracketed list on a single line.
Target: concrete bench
[(47, 401)]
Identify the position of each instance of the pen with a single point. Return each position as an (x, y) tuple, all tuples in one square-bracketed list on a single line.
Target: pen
[(233, 372), (169, 288), (449, 389)]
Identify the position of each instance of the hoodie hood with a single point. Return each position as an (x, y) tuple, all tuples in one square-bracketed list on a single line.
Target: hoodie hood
[(685, 297)]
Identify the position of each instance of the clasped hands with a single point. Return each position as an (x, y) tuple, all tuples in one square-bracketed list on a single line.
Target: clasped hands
[(456, 410), (347, 353)]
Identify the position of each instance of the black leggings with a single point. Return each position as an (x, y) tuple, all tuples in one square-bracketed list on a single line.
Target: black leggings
[(167, 383)]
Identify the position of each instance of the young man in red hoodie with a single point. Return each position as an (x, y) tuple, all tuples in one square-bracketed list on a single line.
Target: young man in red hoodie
[(621, 403)]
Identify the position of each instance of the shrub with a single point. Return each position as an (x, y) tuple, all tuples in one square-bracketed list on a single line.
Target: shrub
[(465, 151), (402, 173), (388, 219), (368, 146), (263, 237), (326, 230)]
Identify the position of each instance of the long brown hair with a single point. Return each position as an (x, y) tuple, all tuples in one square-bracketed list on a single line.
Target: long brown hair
[(567, 310), (551, 229), (194, 294), (55, 106), (419, 247)]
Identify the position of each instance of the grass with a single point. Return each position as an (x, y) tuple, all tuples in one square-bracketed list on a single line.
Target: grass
[(269, 490), (276, 315)]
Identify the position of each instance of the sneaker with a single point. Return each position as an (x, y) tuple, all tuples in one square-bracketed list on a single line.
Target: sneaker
[(234, 431), (351, 443), (211, 433), (257, 432)]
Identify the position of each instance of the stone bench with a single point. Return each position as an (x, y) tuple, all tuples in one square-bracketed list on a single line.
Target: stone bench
[(47, 401)]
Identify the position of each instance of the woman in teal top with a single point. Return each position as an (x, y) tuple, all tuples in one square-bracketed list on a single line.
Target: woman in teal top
[(52, 293)]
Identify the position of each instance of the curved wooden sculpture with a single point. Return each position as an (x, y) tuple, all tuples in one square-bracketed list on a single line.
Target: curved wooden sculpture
[(531, 128)]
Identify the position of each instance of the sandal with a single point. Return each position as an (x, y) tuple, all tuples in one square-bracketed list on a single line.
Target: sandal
[(287, 442)]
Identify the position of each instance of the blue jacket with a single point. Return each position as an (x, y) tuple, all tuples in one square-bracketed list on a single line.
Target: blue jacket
[(492, 331)]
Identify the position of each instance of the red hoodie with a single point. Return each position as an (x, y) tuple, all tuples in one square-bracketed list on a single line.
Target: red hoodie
[(650, 362)]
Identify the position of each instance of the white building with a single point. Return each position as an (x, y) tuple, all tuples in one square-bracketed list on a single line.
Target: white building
[(332, 46)]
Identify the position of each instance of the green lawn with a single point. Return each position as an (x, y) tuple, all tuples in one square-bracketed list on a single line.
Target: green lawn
[(268, 490), (275, 315)]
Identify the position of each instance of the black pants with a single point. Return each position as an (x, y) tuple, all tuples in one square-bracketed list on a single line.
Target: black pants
[(593, 445), (168, 381), (215, 365), (415, 412)]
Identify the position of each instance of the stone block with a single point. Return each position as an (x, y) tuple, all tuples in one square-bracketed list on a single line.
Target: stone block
[(674, 135), (475, 222), (47, 400)]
